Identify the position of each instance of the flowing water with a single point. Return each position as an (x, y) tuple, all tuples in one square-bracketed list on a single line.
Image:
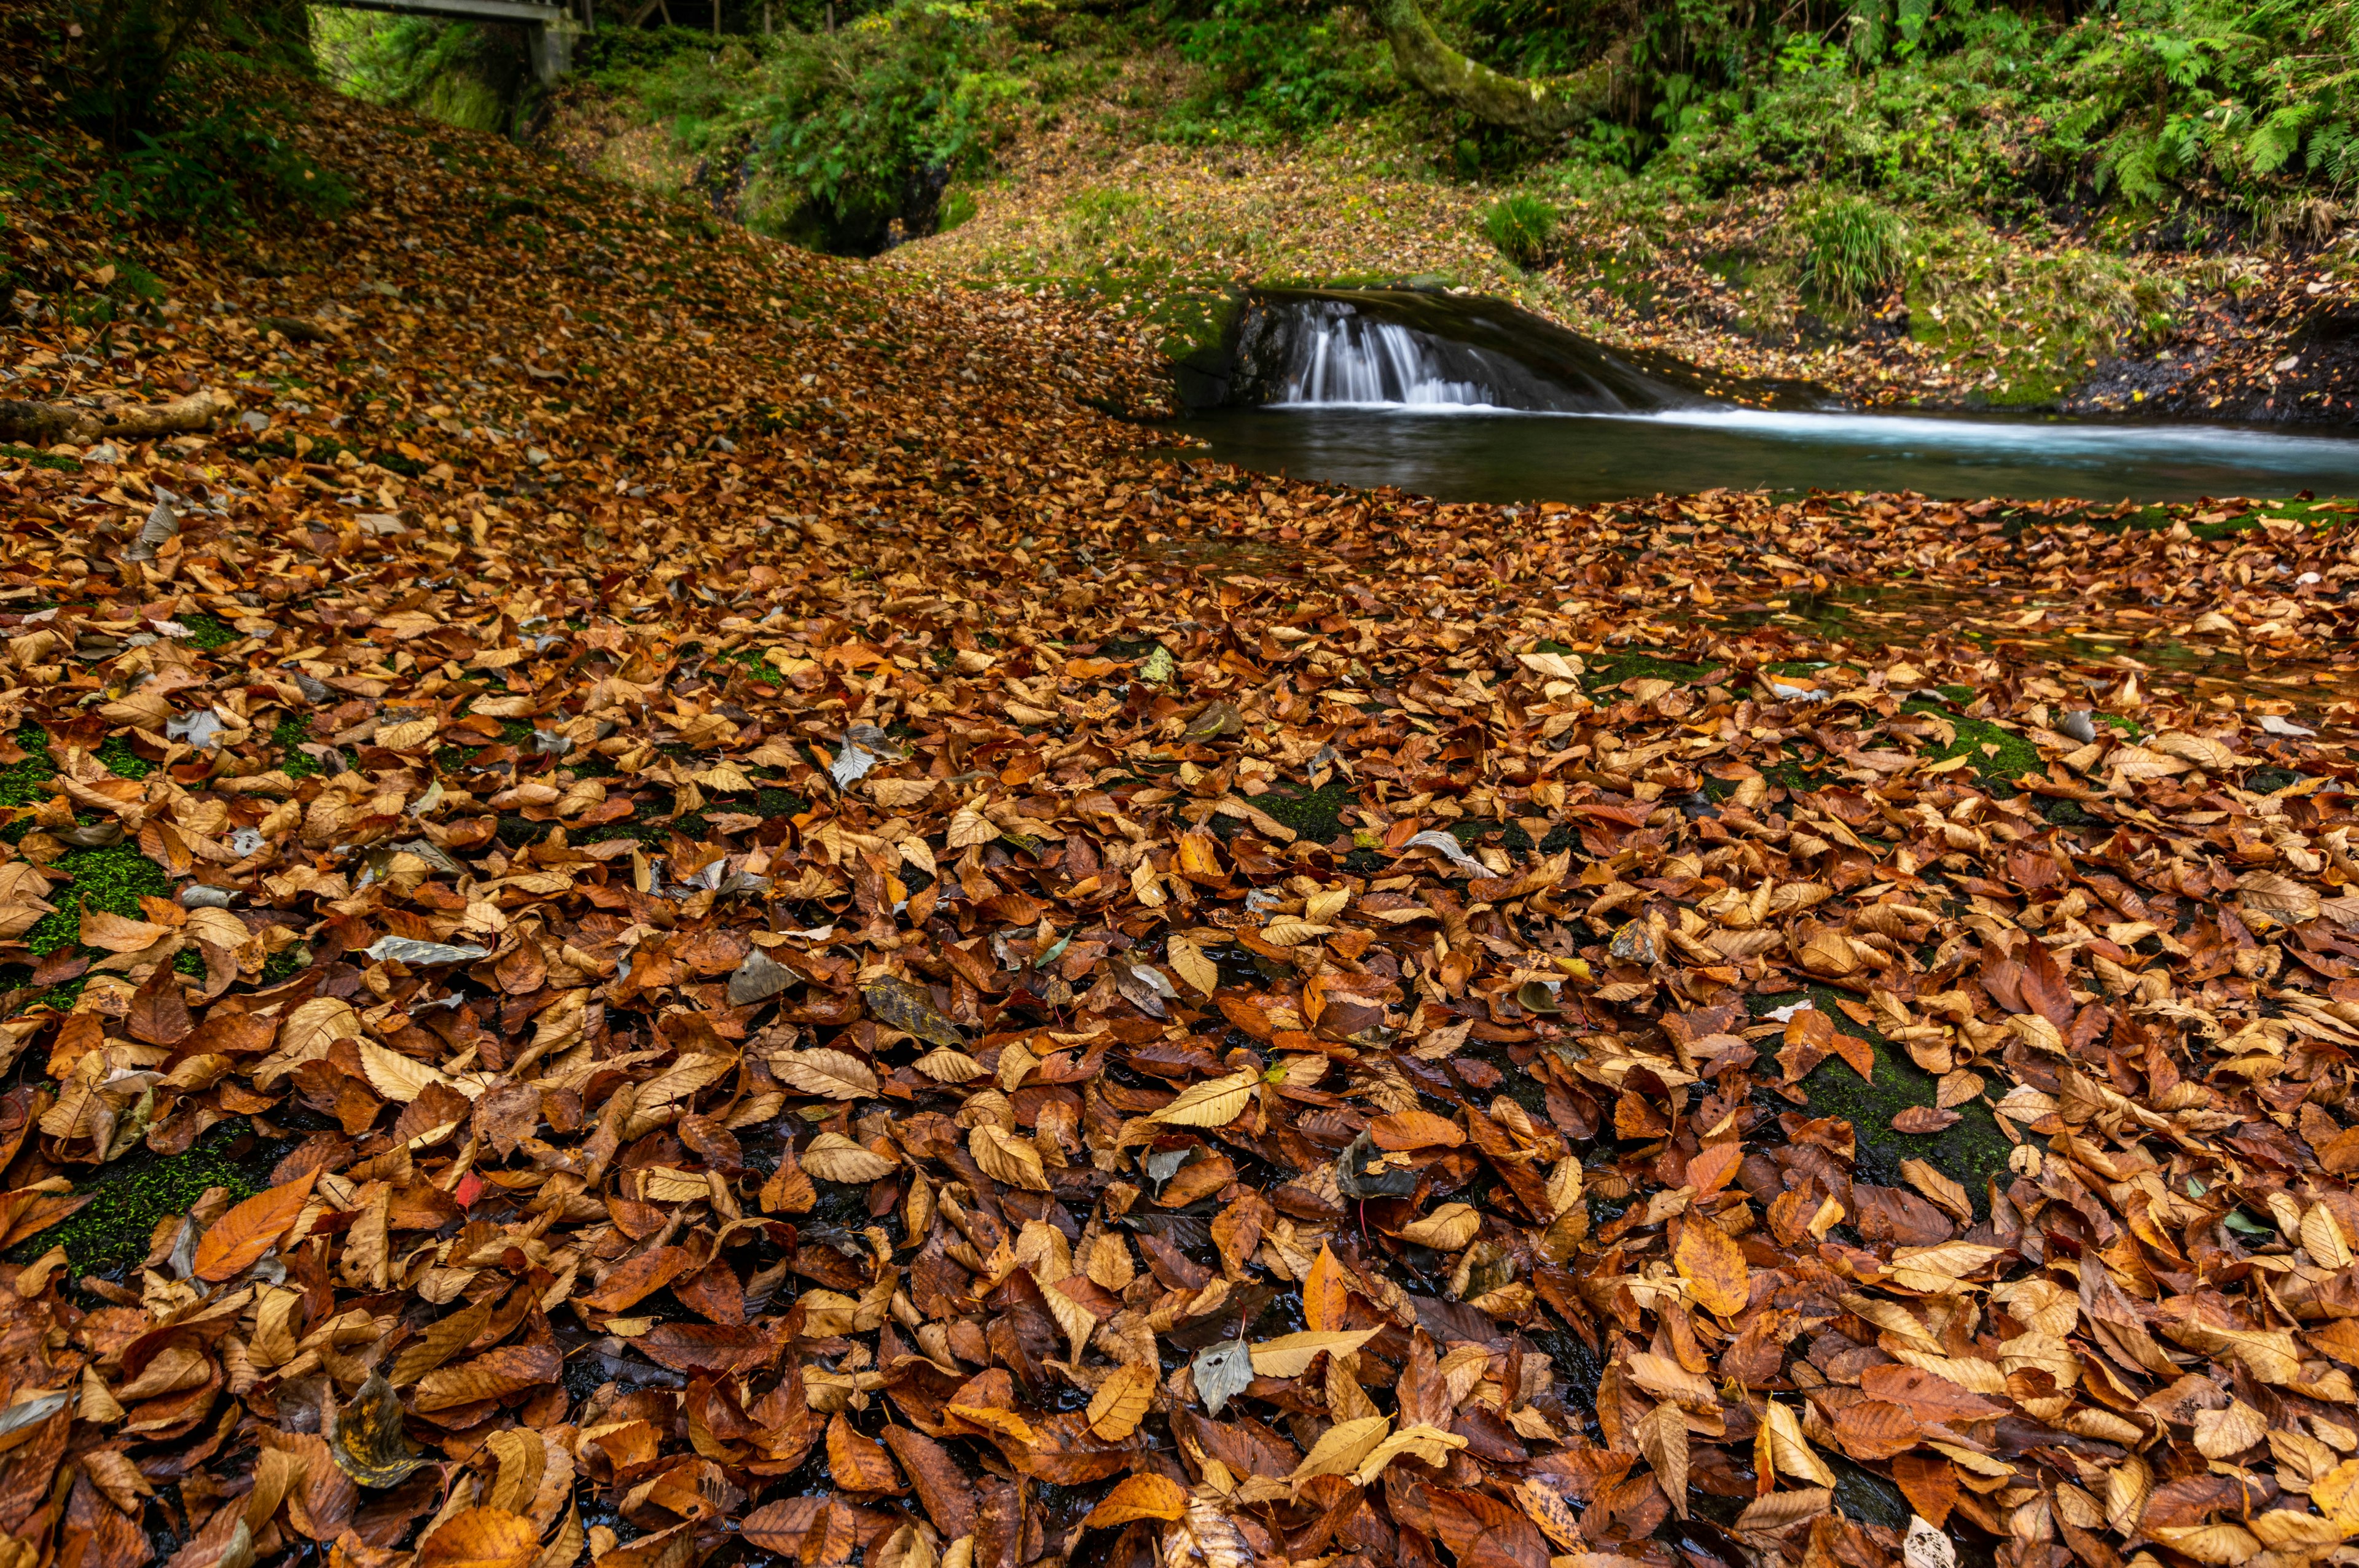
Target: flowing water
[(1469, 400)]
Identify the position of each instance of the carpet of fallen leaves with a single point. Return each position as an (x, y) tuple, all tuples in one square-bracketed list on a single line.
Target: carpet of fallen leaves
[(814, 954)]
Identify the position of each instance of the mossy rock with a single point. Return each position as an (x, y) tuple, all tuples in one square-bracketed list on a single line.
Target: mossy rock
[(1970, 1151)]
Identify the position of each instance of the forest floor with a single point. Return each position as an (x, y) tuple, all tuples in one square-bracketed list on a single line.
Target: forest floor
[(675, 907)]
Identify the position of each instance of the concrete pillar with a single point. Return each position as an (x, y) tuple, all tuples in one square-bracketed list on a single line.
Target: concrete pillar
[(552, 48)]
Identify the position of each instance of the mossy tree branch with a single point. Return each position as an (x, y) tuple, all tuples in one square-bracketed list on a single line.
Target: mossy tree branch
[(1542, 105)]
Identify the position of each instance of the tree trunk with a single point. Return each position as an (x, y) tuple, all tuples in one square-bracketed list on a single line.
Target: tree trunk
[(1540, 105)]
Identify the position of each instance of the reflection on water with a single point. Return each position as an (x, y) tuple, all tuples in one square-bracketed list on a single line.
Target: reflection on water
[(1490, 455)]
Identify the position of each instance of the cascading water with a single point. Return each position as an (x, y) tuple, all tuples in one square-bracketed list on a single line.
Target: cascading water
[(1409, 349), (1343, 357)]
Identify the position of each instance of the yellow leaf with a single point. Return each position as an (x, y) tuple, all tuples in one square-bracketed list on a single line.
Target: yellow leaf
[(1708, 1258), (395, 1077), (1188, 961), (1446, 1229), (1121, 1402), (832, 1157), (1289, 1355), (1214, 1103), (1343, 1447)]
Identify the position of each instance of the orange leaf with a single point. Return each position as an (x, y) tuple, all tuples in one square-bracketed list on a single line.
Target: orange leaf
[(1930, 1483), (481, 1538), (858, 1464), (1415, 1130), (241, 1235), (1326, 1293), (1876, 1429), (1715, 1270), (1144, 1496), (1711, 1171)]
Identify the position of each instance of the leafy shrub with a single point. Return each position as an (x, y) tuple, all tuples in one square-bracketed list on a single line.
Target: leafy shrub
[(1267, 72), (1522, 228), (217, 172), (1853, 249)]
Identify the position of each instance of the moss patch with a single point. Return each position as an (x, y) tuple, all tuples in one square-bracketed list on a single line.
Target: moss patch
[(1996, 756), (1970, 1152), (1612, 669), (1316, 815), (27, 782), (289, 735), (207, 633), (111, 1233), (117, 757), (112, 879)]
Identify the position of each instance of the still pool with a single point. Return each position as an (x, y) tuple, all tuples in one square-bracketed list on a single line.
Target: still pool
[(1462, 453)]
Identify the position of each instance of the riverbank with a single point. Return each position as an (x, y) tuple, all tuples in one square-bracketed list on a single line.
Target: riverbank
[(1988, 321)]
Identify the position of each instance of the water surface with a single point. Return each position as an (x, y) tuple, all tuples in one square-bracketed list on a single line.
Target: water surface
[(1462, 453)]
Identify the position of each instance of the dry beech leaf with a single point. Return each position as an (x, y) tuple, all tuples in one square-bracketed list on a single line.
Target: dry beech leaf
[(1143, 1496), (1713, 1267), (239, 1238), (481, 1538), (1121, 1401), (1215, 1103), (835, 1075), (831, 1157)]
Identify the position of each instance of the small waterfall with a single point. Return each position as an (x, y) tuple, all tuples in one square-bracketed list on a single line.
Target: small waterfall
[(1412, 349), (1343, 357)]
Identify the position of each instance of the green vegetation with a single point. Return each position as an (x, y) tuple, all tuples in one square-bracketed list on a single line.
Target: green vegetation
[(207, 633), (115, 1230), (1522, 229), (289, 735), (26, 783), (1995, 755), (112, 878), (1968, 1152), (1852, 251)]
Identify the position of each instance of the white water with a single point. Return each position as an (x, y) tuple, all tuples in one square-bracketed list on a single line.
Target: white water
[(1349, 360), (2057, 440)]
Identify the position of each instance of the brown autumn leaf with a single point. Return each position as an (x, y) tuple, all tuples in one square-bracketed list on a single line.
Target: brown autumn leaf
[(1918, 1119), (239, 1239), (1713, 1267), (858, 1464), (1484, 1532), (481, 1538)]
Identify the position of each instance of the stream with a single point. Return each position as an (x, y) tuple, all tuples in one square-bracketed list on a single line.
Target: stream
[(1467, 399)]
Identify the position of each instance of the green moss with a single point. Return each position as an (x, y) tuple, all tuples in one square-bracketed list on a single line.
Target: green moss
[(289, 735), (207, 633), (1315, 815), (27, 782), (120, 760), (41, 460), (1996, 770), (112, 1231), (112, 879), (1612, 669), (1968, 1152), (286, 964)]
